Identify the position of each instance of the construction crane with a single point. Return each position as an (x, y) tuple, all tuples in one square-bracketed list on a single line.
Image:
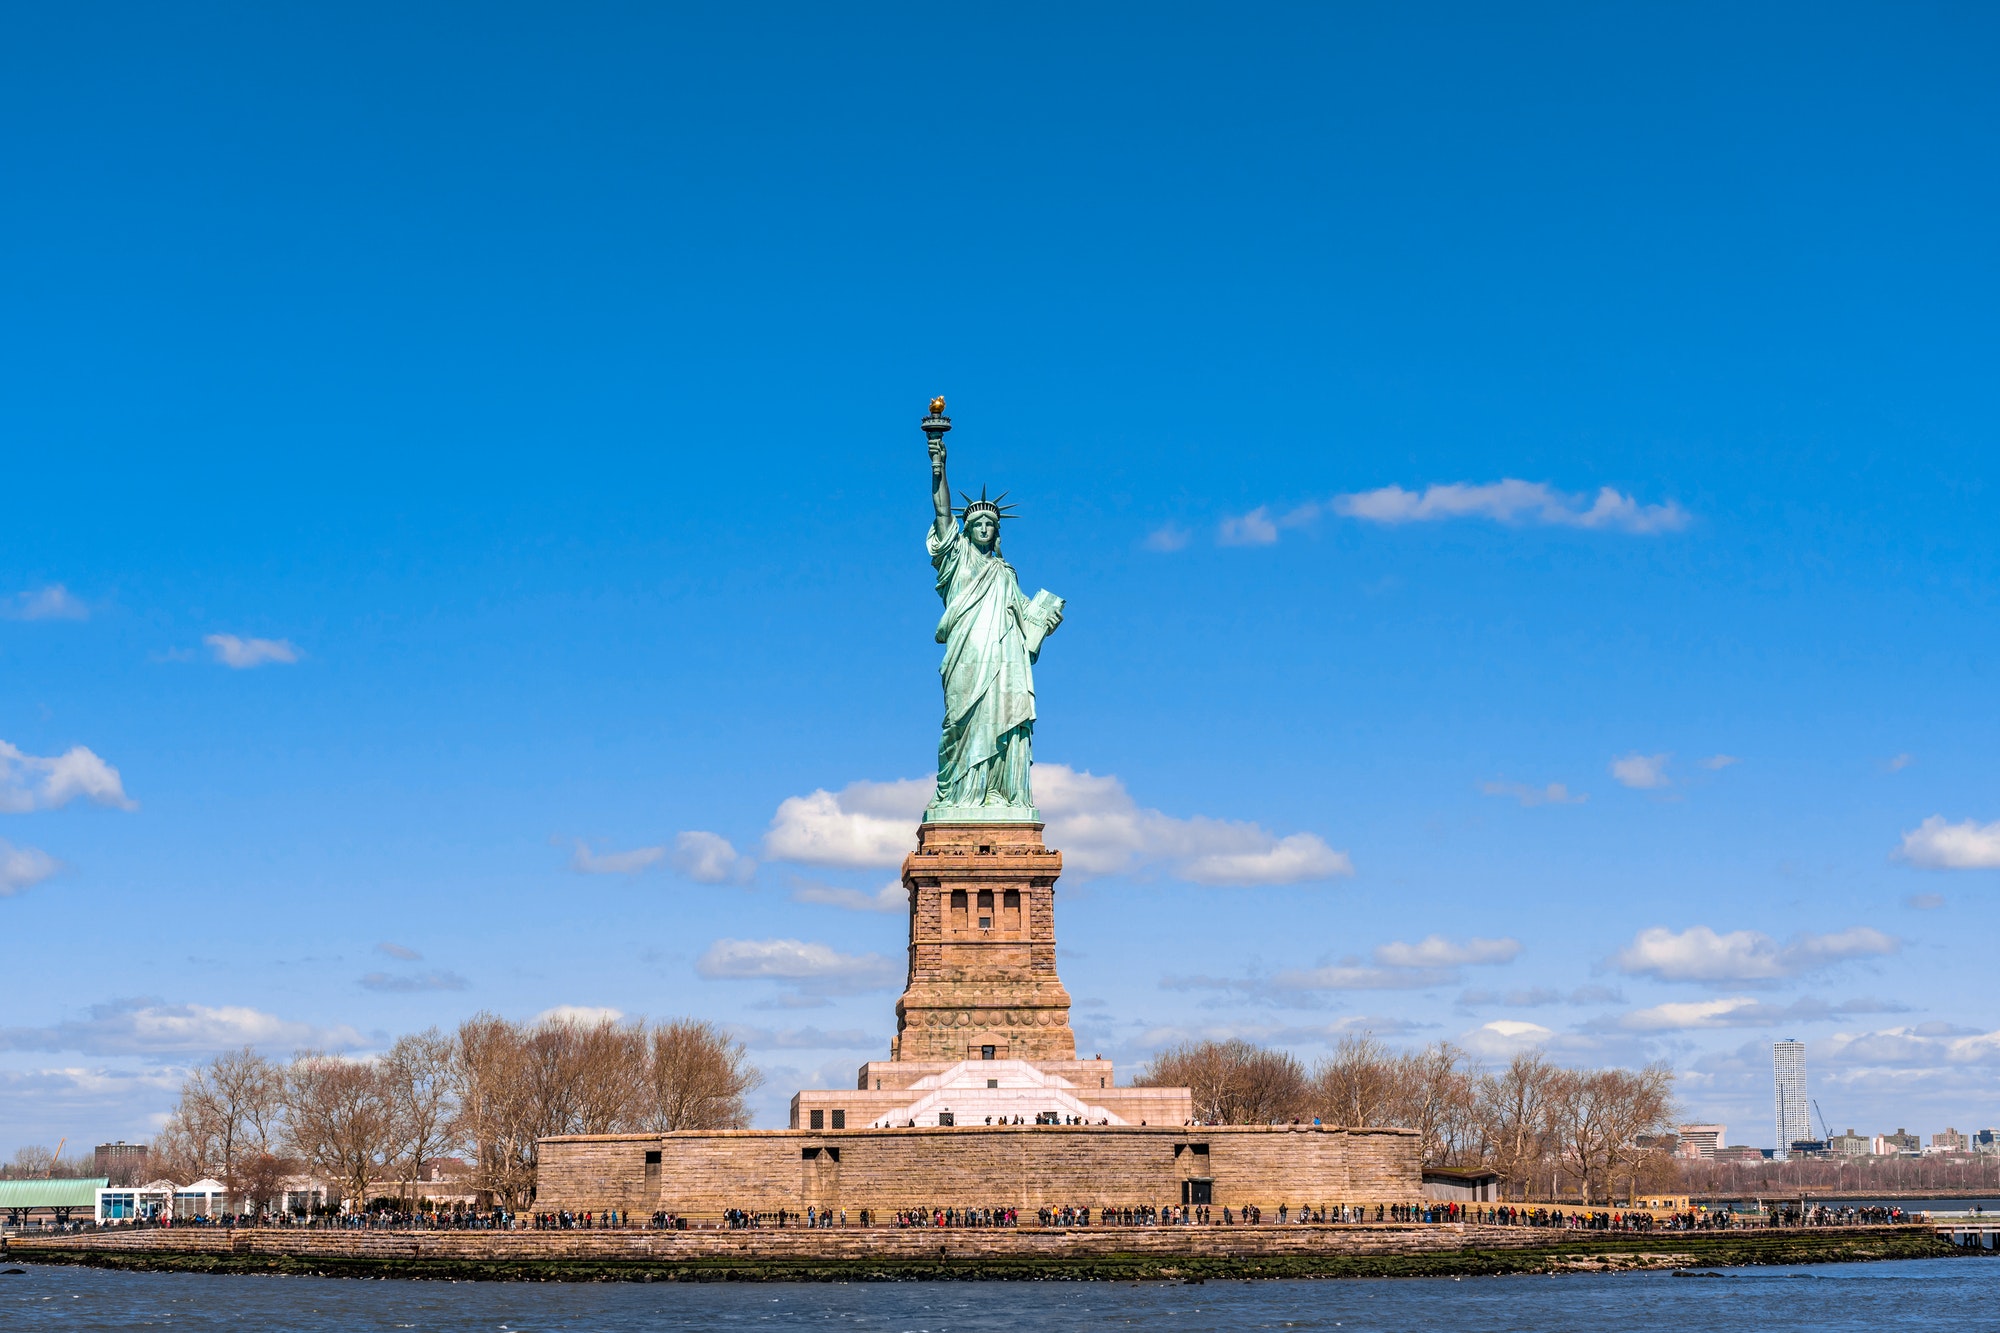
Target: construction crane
[(1824, 1133), (49, 1172)]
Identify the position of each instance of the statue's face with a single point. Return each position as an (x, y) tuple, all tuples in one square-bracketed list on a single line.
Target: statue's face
[(982, 529)]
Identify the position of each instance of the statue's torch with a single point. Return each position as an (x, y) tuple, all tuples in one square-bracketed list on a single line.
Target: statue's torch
[(935, 425)]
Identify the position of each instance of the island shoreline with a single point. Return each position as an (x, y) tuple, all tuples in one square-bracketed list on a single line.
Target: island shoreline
[(969, 1255)]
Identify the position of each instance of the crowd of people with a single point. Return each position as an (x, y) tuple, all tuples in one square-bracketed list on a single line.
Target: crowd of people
[(563, 1220), (1067, 1215)]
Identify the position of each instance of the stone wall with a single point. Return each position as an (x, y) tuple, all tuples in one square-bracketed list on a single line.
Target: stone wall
[(797, 1243), (982, 948), (699, 1174)]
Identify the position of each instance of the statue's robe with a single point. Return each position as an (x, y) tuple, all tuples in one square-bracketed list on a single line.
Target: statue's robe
[(989, 685)]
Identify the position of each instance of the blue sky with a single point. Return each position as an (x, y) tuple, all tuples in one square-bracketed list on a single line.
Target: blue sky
[(1523, 483)]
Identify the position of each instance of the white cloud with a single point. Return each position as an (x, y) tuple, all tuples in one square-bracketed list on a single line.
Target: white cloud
[(1252, 529), (33, 782), (805, 1039), (1535, 997), (586, 862), (1900, 762), (1101, 830), (1437, 951), (1260, 859), (1095, 822), (1166, 538), (138, 1026), (1717, 762), (864, 825), (1432, 961), (241, 654), (582, 1015), (891, 897), (1742, 1011), (1504, 1037), (1554, 794), (1701, 954), (1936, 845), (53, 602), (1643, 771), (1925, 902), (1292, 985), (401, 951), (710, 858), (1925, 1045), (1348, 976), (398, 983), (1154, 1037), (1512, 501), (1736, 1011), (793, 960), (23, 867)]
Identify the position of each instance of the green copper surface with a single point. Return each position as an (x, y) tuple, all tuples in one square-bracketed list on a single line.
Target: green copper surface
[(992, 636)]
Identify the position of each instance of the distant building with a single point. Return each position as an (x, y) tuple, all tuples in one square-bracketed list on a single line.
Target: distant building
[(1949, 1140), (1740, 1152), (1700, 1142), (1986, 1140), (1892, 1145), (1850, 1144), (1788, 1067), (1811, 1148), (121, 1160)]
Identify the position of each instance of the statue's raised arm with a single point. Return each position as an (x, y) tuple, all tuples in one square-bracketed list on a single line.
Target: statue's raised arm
[(935, 425), (991, 636)]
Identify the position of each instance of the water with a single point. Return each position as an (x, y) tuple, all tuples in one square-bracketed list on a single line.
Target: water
[(1827, 1298)]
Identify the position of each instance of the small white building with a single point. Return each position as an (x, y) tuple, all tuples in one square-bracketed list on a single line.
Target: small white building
[(136, 1203), (163, 1200)]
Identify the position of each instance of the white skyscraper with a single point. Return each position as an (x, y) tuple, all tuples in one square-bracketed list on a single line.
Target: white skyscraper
[(1788, 1060)]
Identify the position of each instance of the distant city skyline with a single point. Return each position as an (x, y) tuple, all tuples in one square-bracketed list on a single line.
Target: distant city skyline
[(1524, 491)]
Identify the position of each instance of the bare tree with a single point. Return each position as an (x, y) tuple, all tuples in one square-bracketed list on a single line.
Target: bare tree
[(1642, 1108), (1233, 1082), (340, 1120), (1514, 1109), (228, 1107), (261, 1181), (178, 1152), (1432, 1093), (498, 1118), (418, 1080), (1596, 1118), (696, 1078), (31, 1162), (1353, 1085)]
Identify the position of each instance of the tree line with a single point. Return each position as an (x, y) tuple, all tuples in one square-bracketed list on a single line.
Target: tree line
[(1549, 1131), (482, 1096)]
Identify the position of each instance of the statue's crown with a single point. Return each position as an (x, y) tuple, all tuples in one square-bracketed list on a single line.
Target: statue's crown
[(984, 506)]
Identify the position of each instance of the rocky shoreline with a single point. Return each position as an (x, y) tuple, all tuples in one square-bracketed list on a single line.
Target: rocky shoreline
[(1105, 1254)]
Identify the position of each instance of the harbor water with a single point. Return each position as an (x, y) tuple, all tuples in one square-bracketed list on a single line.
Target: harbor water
[(1829, 1298)]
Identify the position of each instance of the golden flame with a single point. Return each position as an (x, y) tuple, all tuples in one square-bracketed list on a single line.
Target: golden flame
[(937, 406)]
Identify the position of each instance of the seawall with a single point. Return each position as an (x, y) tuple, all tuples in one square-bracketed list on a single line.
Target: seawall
[(893, 1253)]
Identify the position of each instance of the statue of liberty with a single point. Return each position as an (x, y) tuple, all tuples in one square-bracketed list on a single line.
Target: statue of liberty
[(991, 636)]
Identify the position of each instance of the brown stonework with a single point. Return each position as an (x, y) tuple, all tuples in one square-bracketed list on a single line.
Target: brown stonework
[(1027, 1167), (982, 948)]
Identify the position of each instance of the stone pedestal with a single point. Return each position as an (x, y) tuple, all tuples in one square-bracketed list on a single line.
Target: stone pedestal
[(982, 947)]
